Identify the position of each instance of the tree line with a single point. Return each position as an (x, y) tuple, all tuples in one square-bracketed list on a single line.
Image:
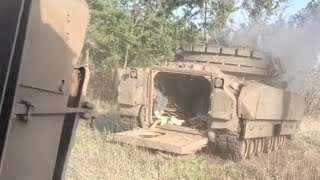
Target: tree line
[(144, 32)]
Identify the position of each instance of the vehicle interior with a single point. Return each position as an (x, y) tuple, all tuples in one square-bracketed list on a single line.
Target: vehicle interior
[(188, 97)]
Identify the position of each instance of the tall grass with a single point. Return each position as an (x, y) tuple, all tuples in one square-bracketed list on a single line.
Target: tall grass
[(96, 156)]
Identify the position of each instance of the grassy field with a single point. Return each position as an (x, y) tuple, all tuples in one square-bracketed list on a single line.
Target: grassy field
[(96, 156)]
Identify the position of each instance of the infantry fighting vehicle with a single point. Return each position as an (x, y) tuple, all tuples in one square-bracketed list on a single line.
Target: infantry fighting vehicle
[(227, 95), (41, 89)]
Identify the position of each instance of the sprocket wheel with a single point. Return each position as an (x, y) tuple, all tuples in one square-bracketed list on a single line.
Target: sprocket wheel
[(129, 123), (238, 149)]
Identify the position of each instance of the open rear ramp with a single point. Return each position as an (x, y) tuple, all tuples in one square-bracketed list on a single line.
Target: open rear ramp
[(163, 139)]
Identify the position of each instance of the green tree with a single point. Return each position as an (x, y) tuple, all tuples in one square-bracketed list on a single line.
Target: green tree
[(219, 14), (212, 16), (130, 32), (106, 33), (309, 14), (259, 12)]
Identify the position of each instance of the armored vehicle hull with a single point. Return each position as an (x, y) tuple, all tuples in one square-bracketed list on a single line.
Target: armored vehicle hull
[(228, 96)]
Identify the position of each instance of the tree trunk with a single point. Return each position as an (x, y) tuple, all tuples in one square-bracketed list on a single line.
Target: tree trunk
[(126, 57)]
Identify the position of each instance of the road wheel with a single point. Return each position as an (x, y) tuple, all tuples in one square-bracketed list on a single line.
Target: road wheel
[(268, 145), (276, 143), (259, 146), (243, 146), (282, 142), (251, 148)]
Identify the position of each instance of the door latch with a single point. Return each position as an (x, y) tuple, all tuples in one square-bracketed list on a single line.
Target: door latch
[(27, 117)]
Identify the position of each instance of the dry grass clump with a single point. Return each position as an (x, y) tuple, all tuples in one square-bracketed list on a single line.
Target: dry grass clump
[(96, 156)]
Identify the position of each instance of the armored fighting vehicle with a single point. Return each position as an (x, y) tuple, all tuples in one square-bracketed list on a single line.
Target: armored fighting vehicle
[(42, 91), (227, 95)]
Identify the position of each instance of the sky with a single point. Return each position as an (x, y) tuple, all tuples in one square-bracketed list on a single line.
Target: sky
[(297, 5), (294, 7)]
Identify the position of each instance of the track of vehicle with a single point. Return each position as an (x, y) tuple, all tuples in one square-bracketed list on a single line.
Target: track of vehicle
[(232, 146)]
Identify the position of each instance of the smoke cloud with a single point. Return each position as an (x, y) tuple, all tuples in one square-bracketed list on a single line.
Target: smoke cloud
[(298, 50)]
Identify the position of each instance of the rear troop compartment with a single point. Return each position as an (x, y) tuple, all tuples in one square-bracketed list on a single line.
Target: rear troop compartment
[(188, 97)]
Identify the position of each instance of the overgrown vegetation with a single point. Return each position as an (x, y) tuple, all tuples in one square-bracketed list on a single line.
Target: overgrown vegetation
[(96, 156)]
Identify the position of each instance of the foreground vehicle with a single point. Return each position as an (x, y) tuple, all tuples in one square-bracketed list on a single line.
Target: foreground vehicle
[(41, 90), (225, 95)]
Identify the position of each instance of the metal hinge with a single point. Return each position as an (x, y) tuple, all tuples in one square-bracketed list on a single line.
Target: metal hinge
[(26, 109), (90, 113)]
